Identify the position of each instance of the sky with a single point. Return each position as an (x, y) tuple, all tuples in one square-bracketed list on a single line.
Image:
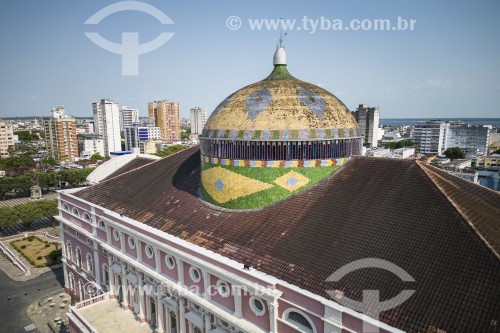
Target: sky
[(447, 66)]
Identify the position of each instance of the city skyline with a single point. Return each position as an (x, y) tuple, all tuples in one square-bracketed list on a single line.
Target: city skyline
[(446, 67)]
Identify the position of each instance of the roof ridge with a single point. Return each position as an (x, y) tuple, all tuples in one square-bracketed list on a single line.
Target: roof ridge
[(142, 166), (428, 169)]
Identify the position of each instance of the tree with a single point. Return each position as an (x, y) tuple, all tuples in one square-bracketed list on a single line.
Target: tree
[(186, 133), (74, 177), (8, 217), (496, 151), (454, 153), (35, 210), (96, 157), (171, 150), (399, 144), (32, 135)]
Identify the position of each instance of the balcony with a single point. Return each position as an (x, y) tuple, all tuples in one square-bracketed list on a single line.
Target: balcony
[(88, 317)]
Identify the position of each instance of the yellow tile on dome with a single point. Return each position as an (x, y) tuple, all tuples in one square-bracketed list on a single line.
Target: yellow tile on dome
[(292, 181), (224, 185)]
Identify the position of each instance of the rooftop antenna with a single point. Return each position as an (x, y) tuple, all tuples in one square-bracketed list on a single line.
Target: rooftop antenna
[(282, 36)]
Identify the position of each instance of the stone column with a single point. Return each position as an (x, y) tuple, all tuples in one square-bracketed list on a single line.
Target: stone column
[(206, 319), (111, 277), (159, 312), (108, 234), (273, 320), (180, 271), (124, 287), (157, 259), (182, 320), (206, 281), (142, 319), (237, 301)]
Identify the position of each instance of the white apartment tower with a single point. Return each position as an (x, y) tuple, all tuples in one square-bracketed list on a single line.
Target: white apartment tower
[(368, 120), (198, 120), (128, 117), (107, 124)]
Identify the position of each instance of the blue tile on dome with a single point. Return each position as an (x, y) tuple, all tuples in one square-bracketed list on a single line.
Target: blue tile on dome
[(257, 102), (312, 100), (266, 134), (291, 181), (219, 184)]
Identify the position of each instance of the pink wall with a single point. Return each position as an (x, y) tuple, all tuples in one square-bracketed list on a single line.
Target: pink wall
[(198, 286), (101, 234), (304, 302), (262, 321), (132, 252), (227, 302), (165, 270), (151, 262), (114, 242)]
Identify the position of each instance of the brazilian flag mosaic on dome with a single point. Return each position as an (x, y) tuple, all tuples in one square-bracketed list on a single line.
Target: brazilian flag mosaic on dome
[(272, 139)]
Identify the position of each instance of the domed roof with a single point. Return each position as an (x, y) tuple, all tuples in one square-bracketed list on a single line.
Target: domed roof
[(280, 102)]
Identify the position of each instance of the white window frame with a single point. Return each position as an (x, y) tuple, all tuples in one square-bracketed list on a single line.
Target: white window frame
[(192, 270), (225, 294), (86, 217), (69, 251), (299, 327), (167, 262), (149, 248), (116, 235), (255, 310), (65, 207), (90, 263), (73, 210), (131, 242), (79, 263)]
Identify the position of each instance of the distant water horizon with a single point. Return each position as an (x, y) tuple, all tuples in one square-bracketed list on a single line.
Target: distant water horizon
[(413, 121)]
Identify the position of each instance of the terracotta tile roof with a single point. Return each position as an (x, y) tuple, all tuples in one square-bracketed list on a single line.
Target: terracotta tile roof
[(132, 165), (479, 206), (389, 209)]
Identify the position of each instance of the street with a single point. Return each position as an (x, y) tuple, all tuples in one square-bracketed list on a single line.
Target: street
[(13, 317)]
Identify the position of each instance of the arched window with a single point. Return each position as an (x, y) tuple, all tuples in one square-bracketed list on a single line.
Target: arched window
[(81, 289), (86, 217), (105, 275), (75, 212), (69, 254), (66, 207), (299, 319), (79, 257), (90, 264), (71, 282)]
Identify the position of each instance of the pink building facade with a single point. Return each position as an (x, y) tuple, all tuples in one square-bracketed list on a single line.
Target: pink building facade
[(174, 286)]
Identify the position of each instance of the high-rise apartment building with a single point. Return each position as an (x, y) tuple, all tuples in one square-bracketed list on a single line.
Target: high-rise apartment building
[(166, 115), (138, 133), (435, 136), (198, 120), (6, 138), (60, 136), (368, 120), (90, 144), (128, 117), (430, 137), (471, 139), (107, 124)]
